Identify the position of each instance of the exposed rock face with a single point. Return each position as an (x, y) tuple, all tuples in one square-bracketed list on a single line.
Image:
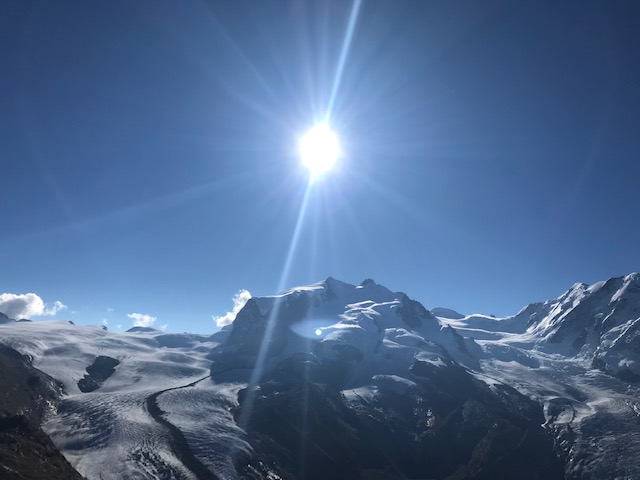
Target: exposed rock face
[(441, 424), (26, 452), (101, 369)]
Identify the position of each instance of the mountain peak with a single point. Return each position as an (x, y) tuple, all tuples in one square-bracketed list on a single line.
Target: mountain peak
[(446, 313), (344, 323), (4, 318), (143, 330)]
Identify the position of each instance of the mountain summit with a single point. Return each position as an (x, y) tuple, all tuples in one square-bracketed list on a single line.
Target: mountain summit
[(363, 330)]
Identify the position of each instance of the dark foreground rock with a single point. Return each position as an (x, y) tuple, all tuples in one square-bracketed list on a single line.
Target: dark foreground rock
[(26, 452), (447, 426)]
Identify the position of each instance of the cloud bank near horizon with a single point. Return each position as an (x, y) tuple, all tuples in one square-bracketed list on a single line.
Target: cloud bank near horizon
[(142, 319), (28, 305)]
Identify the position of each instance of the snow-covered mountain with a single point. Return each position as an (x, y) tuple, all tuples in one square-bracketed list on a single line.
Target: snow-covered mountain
[(599, 322), (366, 329), (357, 381), (334, 380)]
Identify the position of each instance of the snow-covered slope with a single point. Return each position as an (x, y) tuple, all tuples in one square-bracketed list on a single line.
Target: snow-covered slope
[(446, 313), (599, 323), (109, 433), (367, 329)]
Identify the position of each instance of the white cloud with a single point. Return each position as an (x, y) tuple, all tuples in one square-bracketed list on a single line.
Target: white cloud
[(164, 327), (53, 309), (105, 321), (142, 320), (109, 310), (239, 299), (27, 305)]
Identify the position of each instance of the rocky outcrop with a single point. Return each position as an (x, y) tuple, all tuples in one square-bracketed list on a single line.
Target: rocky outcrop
[(28, 395), (442, 424), (101, 369)]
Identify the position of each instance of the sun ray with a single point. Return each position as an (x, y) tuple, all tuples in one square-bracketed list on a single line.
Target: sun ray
[(319, 151), (258, 368), (355, 9)]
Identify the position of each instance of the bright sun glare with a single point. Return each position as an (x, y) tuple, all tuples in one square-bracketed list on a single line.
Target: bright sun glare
[(319, 149)]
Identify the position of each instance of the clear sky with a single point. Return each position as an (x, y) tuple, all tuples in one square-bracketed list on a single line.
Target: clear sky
[(491, 152)]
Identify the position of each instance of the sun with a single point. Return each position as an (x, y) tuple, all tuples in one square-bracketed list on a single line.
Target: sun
[(319, 149)]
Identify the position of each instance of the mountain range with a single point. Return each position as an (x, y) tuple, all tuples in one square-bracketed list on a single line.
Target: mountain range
[(333, 380)]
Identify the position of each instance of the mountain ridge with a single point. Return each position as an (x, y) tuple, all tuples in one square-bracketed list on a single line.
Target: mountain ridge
[(333, 380), (598, 322)]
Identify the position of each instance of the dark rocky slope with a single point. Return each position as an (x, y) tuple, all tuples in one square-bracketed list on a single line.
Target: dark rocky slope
[(449, 426), (26, 452)]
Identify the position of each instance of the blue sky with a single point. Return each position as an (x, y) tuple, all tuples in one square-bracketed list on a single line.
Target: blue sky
[(148, 152)]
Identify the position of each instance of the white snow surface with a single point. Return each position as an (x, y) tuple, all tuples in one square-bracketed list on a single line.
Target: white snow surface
[(108, 433), (366, 321), (590, 321)]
